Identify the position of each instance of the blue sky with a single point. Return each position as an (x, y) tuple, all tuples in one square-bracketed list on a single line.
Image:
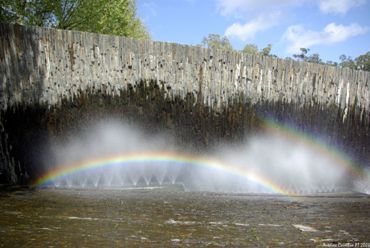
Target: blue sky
[(328, 27)]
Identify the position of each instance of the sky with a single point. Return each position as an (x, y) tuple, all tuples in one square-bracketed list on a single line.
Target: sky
[(327, 27)]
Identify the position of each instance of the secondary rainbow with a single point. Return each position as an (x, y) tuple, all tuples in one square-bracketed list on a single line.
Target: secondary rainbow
[(341, 159), (157, 157)]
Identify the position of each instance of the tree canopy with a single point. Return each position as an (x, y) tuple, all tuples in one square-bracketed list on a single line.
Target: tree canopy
[(363, 62), (217, 42), (116, 17), (250, 49), (303, 56), (253, 49)]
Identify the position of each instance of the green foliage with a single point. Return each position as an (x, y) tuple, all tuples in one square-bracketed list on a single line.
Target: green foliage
[(116, 17), (266, 51), (110, 17), (37, 12), (250, 49), (217, 42), (253, 49), (302, 55), (363, 62), (312, 58), (347, 61)]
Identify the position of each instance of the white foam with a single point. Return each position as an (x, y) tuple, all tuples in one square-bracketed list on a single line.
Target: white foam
[(305, 228), (82, 218), (179, 222), (241, 224), (272, 225)]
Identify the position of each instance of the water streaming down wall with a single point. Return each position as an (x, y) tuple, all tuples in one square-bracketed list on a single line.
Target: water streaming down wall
[(44, 67)]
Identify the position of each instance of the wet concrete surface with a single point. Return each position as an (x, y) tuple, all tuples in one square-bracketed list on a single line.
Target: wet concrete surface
[(155, 217)]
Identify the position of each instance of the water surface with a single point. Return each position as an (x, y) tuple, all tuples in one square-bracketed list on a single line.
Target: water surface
[(147, 217)]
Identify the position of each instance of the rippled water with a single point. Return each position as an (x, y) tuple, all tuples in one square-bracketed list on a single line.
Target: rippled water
[(170, 217)]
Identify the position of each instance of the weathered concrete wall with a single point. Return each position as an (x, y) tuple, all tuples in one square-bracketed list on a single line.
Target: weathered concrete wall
[(44, 65), (53, 81)]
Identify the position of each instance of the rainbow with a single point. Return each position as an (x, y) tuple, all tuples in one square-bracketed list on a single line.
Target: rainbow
[(341, 159), (270, 127), (158, 157)]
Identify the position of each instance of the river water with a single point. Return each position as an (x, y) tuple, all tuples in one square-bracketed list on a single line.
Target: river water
[(169, 217)]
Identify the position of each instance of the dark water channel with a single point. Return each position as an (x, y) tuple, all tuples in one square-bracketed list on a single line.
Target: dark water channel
[(173, 218)]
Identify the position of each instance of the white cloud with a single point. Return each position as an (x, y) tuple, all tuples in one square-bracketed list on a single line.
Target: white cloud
[(338, 6), (227, 7), (299, 37), (235, 7), (249, 29)]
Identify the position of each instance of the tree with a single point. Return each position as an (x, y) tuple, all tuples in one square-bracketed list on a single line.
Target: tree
[(347, 61), (312, 58), (253, 49), (26, 12), (302, 55), (363, 62), (116, 17), (217, 42), (266, 51), (333, 63), (250, 49)]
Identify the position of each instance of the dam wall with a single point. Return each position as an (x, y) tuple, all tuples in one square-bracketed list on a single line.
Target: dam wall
[(53, 83), (45, 65)]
